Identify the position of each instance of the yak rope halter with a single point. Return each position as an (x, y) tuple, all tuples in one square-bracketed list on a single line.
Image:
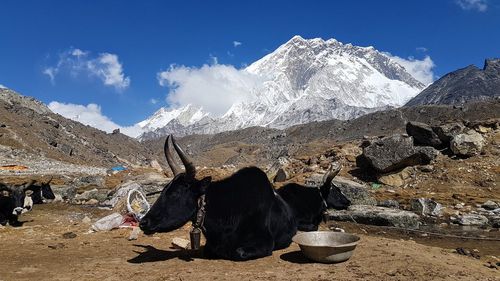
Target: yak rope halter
[(195, 233)]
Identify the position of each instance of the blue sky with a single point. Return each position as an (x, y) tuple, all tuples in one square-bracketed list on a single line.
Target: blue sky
[(109, 53)]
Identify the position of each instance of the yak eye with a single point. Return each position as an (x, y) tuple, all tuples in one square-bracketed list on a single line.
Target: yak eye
[(5, 193), (28, 192)]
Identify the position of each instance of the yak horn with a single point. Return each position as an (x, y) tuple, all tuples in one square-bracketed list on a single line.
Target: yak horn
[(171, 163), (190, 169), (332, 172)]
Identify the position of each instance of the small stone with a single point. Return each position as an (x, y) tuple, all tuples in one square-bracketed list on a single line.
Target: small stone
[(490, 205), (56, 246), (180, 243), (92, 202), (281, 175), (86, 219), (69, 235)]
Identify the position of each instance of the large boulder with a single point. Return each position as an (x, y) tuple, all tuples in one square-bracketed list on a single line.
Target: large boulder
[(426, 207), (447, 132), (472, 219), (373, 215), (396, 152), (423, 134), (356, 193), (467, 144)]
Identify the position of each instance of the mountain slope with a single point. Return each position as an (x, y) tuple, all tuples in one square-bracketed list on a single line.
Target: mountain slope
[(463, 85), (302, 81), (28, 126)]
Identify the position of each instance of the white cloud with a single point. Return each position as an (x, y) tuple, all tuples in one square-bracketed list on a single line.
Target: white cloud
[(109, 69), (153, 101), (213, 87), (91, 115), (421, 49), (51, 72), (79, 53), (422, 70), (237, 43), (105, 67), (478, 5), (2, 87)]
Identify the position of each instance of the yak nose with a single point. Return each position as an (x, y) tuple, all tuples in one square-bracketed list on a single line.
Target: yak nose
[(144, 224)]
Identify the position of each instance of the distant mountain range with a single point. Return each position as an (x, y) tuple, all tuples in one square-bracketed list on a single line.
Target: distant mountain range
[(303, 81), (463, 85)]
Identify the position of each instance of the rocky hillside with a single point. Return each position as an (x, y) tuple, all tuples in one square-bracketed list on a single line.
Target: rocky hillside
[(262, 146), (463, 85), (28, 127)]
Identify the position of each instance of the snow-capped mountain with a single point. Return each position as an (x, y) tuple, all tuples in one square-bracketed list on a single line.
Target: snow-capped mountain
[(303, 81)]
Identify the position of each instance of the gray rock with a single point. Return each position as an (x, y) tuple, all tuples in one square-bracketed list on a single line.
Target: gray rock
[(357, 193), (426, 207), (389, 204), (472, 219), (281, 175), (467, 144), (423, 134), (373, 215), (89, 180), (447, 132), (396, 152), (490, 205), (87, 195), (494, 221), (66, 192)]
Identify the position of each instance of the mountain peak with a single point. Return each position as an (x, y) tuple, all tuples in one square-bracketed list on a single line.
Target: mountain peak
[(304, 80)]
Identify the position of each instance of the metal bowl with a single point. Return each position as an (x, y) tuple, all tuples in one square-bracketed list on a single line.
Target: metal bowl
[(326, 246)]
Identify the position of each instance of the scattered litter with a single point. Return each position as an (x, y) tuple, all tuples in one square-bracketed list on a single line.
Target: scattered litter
[(376, 185), (337, 229), (118, 168), (137, 204), (69, 235), (181, 243), (129, 221), (108, 222)]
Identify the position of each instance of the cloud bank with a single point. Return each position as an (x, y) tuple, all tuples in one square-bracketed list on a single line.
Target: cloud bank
[(422, 70), (91, 115), (214, 87), (478, 5), (106, 67)]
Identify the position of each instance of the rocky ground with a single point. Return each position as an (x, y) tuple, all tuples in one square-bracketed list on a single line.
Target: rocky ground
[(54, 244), (427, 174)]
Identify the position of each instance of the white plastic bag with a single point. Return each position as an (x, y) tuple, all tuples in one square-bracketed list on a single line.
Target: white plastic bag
[(108, 222), (137, 204)]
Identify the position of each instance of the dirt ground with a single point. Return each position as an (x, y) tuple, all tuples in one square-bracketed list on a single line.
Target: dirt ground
[(38, 251)]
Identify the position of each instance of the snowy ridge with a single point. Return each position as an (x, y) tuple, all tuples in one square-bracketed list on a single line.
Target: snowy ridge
[(304, 81)]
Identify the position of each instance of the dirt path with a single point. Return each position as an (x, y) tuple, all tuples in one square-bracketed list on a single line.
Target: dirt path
[(38, 251)]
